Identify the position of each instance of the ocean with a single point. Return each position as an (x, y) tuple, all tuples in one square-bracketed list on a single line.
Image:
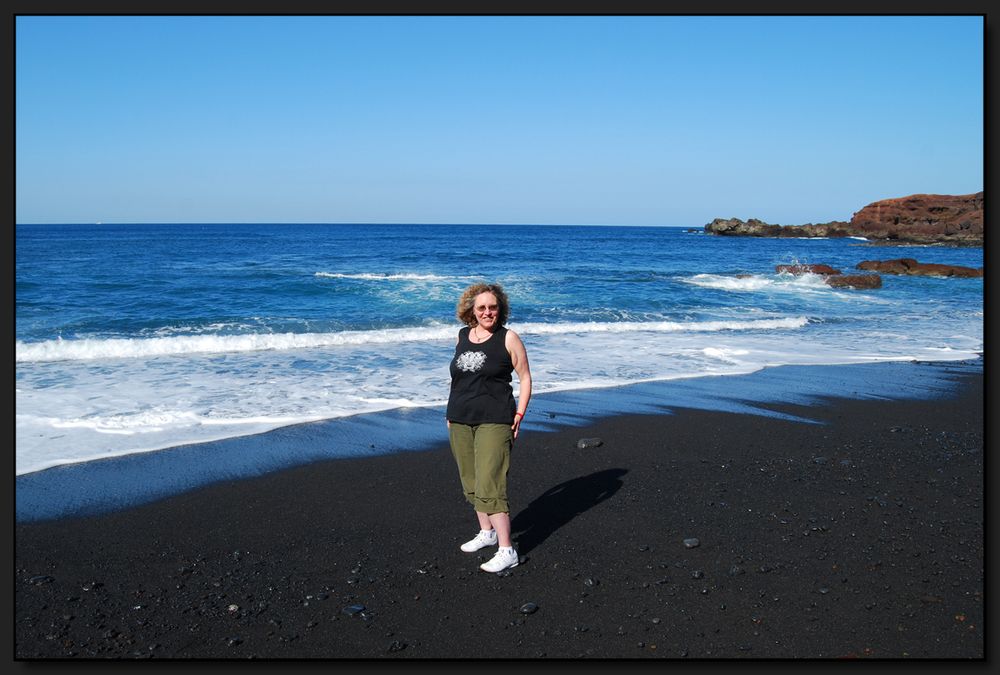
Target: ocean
[(135, 338)]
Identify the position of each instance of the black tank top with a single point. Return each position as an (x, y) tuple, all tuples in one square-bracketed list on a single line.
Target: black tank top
[(480, 381)]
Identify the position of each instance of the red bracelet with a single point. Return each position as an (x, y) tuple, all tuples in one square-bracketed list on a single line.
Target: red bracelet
[(519, 413)]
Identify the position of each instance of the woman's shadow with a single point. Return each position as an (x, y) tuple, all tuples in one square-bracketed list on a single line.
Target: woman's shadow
[(561, 504)]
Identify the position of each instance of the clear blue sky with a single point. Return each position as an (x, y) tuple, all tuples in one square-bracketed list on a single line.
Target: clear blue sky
[(603, 120)]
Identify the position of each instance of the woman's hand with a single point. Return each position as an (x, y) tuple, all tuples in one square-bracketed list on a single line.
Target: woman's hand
[(516, 426)]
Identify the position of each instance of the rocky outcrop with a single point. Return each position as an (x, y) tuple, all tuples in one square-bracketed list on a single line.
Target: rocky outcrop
[(806, 269), (917, 219), (832, 276), (912, 267), (923, 218), (854, 280), (758, 228)]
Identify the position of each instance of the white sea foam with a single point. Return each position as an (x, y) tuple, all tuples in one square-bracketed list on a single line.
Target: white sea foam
[(114, 348), (785, 323), (727, 283), (135, 405), (727, 355), (148, 421), (755, 282)]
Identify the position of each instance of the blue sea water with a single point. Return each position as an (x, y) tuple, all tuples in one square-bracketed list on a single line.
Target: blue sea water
[(135, 338)]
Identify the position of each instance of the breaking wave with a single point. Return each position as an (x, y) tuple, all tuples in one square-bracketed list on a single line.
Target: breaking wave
[(137, 348)]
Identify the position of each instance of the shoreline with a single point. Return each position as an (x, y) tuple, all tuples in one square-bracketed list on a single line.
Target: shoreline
[(828, 527), (104, 485)]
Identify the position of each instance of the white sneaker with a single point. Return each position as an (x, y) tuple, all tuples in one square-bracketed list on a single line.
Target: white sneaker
[(482, 540), (503, 559)]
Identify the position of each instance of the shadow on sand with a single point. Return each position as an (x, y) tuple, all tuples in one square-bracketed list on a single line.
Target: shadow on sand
[(561, 504)]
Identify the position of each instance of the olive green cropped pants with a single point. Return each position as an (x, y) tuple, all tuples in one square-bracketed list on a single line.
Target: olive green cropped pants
[(482, 453)]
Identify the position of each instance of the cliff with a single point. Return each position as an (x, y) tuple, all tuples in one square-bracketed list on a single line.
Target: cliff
[(923, 219)]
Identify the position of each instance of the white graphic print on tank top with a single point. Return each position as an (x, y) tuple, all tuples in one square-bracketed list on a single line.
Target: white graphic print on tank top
[(471, 362)]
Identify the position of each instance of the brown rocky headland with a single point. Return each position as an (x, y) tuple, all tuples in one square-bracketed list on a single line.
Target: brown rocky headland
[(923, 219), (916, 219)]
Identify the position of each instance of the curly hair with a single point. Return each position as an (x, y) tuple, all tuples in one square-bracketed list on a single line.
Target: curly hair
[(464, 308)]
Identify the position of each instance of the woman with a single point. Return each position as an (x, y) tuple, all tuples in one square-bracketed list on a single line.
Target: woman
[(483, 416)]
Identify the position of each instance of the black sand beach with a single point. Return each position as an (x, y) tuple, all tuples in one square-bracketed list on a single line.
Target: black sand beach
[(858, 538)]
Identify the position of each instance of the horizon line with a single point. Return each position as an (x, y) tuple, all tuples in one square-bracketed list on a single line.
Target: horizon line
[(268, 222)]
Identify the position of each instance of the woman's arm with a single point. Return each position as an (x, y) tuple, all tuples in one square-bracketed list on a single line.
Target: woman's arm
[(519, 357)]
